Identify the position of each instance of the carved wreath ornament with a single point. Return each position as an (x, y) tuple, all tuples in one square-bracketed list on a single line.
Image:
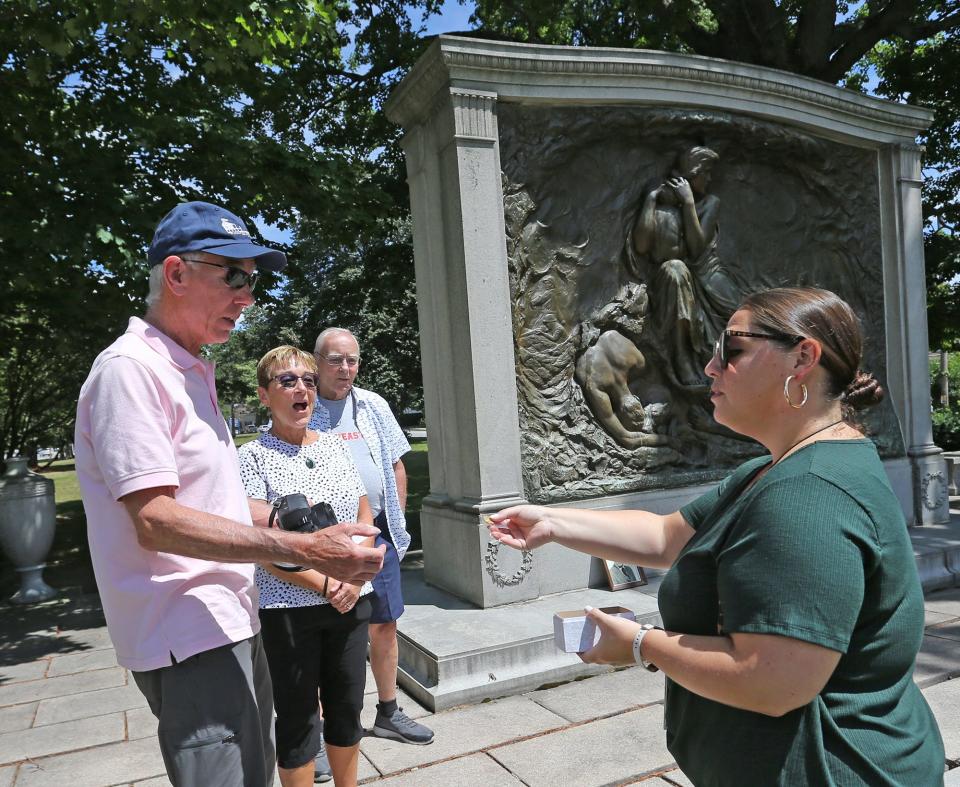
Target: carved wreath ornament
[(933, 490), (492, 562)]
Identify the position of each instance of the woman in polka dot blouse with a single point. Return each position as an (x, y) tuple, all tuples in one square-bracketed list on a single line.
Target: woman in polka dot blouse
[(314, 627)]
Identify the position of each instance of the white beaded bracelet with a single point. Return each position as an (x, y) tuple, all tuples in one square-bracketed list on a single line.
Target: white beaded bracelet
[(637, 648)]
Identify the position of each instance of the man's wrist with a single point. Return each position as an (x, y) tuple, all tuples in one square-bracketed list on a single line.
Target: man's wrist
[(280, 545)]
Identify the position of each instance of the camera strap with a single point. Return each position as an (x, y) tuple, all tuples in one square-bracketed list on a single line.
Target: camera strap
[(274, 510)]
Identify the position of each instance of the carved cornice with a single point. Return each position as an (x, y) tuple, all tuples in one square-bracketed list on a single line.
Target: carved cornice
[(524, 71), (418, 90)]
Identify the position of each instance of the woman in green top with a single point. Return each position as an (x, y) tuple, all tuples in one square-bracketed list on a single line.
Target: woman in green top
[(792, 608)]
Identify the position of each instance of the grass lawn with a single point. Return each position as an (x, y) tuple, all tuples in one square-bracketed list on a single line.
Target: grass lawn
[(68, 565), (418, 486)]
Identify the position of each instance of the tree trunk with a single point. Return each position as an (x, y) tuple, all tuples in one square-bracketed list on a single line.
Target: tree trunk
[(944, 380)]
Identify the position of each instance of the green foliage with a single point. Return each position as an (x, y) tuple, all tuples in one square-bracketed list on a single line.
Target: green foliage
[(946, 420), (946, 428), (358, 273), (820, 38), (367, 286), (953, 377), (418, 486), (48, 351), (236, 370), (924, 73), (237, 359), (647, 25), (114, 112)]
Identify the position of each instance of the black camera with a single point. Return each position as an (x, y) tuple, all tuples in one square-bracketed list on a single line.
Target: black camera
[(295, 514)]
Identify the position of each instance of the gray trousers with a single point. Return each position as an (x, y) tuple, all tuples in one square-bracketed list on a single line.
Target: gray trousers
[(216, 716)]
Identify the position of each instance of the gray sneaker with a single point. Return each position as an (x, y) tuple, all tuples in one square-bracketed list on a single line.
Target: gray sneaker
[(321, 766), (400, 727)]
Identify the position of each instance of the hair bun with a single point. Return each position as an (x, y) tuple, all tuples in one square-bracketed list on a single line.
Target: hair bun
[(863, 392)]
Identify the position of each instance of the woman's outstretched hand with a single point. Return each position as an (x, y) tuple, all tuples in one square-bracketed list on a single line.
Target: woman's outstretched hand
[(616, 639), (521, 527)]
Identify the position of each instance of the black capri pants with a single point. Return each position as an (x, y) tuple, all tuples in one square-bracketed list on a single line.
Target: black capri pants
[(309, 650)]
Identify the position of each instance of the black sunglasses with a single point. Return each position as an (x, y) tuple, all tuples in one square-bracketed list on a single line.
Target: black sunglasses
[(236, 277), (720, 349), (289, 380)]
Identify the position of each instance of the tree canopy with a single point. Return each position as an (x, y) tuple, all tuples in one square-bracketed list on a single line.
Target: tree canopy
[(114, 112), (906, 50), (923, 73), (823, 39)]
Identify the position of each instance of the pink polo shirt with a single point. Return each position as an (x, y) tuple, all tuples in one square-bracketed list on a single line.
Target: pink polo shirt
[(148, 417)]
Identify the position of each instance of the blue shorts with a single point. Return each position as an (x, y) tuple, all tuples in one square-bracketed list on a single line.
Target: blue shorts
[(387, 597)]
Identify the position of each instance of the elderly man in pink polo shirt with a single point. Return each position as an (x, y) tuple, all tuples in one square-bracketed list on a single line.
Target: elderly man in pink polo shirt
[(169, 525)]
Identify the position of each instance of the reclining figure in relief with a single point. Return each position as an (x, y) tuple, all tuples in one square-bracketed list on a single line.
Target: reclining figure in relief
[(612, 365)]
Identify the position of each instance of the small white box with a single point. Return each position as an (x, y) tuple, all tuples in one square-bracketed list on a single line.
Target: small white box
[(573, 632)]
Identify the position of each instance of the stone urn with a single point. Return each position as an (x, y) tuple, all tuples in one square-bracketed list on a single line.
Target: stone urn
[(28, 519)]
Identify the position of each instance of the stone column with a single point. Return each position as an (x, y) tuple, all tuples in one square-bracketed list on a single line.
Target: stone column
[(908, 373), (466, 336)]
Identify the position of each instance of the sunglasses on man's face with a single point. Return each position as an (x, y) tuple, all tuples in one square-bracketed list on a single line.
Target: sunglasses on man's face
[(721, 349), (235, 278), (289, 380)]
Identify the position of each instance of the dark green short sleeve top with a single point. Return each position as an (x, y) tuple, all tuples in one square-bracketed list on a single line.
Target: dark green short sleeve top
[(816, 550)]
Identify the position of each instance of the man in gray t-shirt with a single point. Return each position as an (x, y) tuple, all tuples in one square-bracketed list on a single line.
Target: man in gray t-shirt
[(343, 422), (365, 423)]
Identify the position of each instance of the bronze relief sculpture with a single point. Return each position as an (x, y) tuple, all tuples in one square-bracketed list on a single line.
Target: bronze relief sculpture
[(622, 279)]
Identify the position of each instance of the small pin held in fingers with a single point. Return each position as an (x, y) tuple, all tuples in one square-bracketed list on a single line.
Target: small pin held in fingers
[(498, 525)]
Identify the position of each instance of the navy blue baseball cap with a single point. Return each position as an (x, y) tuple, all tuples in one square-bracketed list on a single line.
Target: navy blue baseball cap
[(200, 226)]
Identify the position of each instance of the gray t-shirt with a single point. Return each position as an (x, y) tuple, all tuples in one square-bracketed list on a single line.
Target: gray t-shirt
[(343, 423)]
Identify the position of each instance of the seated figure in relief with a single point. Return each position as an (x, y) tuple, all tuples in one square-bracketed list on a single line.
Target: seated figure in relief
[(673, 247)]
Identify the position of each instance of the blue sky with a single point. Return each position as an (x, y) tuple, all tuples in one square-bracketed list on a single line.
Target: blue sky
[(453, 16)]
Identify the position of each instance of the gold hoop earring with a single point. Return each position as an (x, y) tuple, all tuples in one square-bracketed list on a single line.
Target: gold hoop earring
[(786, 393)]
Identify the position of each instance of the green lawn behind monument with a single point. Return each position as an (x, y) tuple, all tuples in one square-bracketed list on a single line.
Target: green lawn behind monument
[(68, 565)]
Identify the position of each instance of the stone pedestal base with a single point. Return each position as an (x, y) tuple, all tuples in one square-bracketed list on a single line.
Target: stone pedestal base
[(451, 654), (462, 559)]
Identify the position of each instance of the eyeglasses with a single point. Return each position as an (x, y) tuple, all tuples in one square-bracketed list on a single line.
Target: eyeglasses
[(337, 360), (236, 277), (289, 380), (722, 352)]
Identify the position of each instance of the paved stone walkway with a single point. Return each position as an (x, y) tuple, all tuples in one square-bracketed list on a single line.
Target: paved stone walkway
[(70, 716)]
